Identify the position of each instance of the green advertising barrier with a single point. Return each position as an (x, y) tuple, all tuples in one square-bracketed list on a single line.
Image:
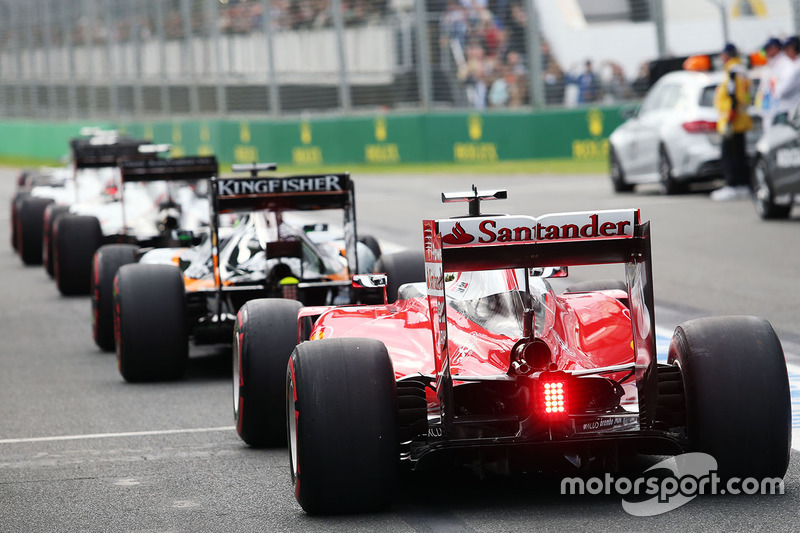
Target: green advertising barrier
[(577, 134)]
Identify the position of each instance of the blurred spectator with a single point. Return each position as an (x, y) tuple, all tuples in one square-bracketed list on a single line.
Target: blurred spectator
[(474, 74), (787, 85), (499, 92), (731, 100), (766, 99), (616, 87), (453, 24), (640, 85), (588, 84)]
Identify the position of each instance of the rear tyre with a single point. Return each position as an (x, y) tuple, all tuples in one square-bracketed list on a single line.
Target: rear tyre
[(263, 340), (598, 285), (372, 243), (76, 239), (51, 215), (342, 423), (407, 266), (617, 174), (150, 322), (665, 172), (738, 407), (107, 260), (764, 195), (16, 202), (30, 220)]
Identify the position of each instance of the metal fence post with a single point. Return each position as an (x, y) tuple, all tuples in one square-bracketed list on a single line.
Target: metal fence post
[(137, 17), (796, 16), (66, 28), (111, 38), (222, 92), (344, 86), (424, 72), (657, 9), (19, 94), (534, 46), (162, 58), (91, 87), (47, 49), (188, 57), (274, 94)]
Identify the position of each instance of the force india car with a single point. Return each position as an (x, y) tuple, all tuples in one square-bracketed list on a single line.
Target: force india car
[(173, 294), (180, 228), (145, 212), (485, 365), (776, 172)]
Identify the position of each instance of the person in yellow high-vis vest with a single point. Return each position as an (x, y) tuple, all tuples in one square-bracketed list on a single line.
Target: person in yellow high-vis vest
[(732, 99)]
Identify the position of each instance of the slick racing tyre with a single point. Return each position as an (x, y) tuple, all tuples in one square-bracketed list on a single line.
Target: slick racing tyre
[(264, 337), (369, 252), (407, 266), (51, 215), (76, 239), (30, 220), (107, 260), (738, 407), (670, 185), (150, 322), (16, 202), (343, 425), (764, 195), (372, 243)]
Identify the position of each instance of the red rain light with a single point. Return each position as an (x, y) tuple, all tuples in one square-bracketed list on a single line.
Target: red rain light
[(555, 398)]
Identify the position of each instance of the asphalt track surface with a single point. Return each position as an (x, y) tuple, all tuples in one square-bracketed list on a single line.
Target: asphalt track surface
[(81, 450)]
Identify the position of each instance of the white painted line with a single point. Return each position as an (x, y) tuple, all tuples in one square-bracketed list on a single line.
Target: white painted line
[(117, 435)]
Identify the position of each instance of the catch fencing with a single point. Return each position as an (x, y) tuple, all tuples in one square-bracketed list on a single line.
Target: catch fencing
[(140, 59)]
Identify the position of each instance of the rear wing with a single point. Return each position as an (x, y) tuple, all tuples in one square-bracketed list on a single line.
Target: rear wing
[(292, 193), (563, 239), (89, 153), (168, 169)]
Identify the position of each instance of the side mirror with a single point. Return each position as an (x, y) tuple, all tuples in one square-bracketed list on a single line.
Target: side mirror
[(371, 281), (549, 272)]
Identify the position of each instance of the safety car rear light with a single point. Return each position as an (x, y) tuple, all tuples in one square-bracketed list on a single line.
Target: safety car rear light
[(554, 398), (700, 126)]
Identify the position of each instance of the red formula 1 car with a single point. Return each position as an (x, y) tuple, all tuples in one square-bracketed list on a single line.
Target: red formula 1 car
[(486, 365)]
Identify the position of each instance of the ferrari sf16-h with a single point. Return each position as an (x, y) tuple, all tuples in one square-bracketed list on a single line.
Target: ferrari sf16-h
[(486, 365)]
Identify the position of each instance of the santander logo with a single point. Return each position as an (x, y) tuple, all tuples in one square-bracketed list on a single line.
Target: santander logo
[(524, 229), (457, 236)]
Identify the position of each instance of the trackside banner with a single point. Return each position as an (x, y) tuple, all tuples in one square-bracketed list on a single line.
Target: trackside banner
[(578, 226)]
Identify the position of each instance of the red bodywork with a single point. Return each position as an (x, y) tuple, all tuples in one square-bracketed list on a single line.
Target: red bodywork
[(582, 330)]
